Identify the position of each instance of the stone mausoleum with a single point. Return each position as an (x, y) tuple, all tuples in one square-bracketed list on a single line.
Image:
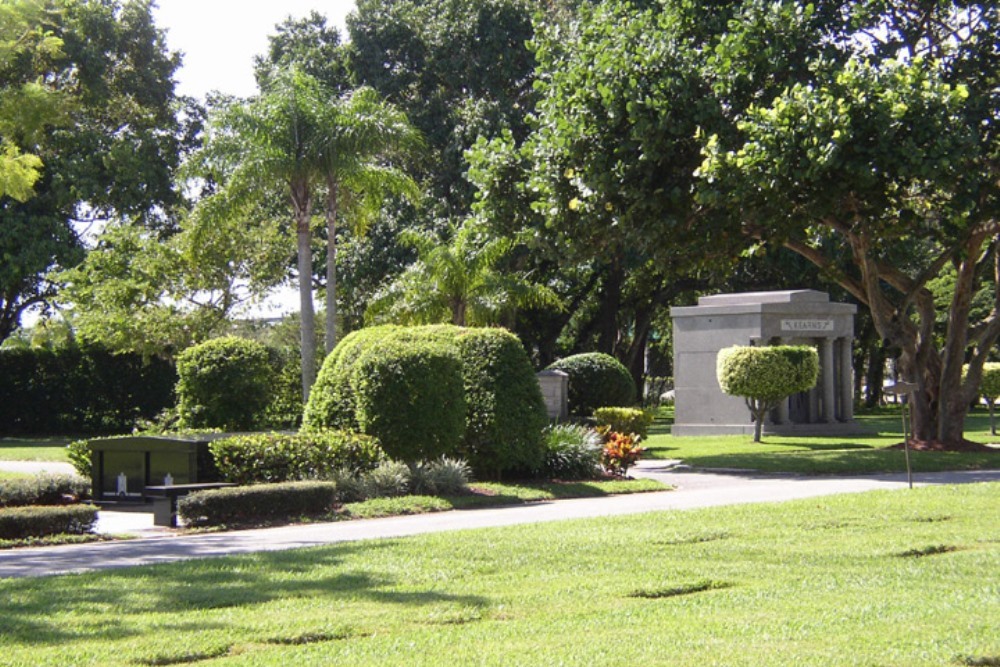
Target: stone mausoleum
[(795, 317)]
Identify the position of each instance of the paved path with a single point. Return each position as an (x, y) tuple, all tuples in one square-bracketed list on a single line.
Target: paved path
[(694, 490), (32, 467)]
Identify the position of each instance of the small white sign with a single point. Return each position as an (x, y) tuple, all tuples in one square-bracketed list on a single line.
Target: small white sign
[(807, 325)]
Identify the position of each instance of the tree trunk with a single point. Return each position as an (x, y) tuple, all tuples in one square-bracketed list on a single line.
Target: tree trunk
[(331, 265), (611, 301), (302, 205)]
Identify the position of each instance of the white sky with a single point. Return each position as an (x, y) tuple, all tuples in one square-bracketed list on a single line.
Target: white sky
[(219, 38)]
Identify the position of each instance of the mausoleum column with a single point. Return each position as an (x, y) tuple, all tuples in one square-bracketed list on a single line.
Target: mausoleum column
[(826, 371), (846, 380)]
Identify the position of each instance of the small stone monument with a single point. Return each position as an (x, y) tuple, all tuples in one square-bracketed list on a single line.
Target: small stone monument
[(795, 317), (555, 390)]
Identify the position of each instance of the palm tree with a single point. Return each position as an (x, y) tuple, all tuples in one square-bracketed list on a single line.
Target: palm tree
[(265, 144), (358, 136), (458, 282)]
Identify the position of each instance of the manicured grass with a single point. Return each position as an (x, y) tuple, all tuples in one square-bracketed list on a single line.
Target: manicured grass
[(859, 454), (491, 494), (6, 474), (33, 449), (886, 578)]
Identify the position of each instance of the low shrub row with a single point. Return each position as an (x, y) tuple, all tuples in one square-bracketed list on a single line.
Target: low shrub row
[(262, 502), (284, 457), (39, 521), (44, 489), (624, 420)]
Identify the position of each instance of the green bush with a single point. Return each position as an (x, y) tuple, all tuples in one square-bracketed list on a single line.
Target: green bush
[(595, 381), (285, 457), (80, 456), (625, 420), (504, 411), (766, 375), (44, 489), (253, 504), (989, 386), (17, 523), (389, 480), (80, 390), (571, 452), (224, 383), (410, 396)]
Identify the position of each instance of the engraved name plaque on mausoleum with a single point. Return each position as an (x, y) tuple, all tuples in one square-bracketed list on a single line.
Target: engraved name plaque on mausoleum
[(795, 317)]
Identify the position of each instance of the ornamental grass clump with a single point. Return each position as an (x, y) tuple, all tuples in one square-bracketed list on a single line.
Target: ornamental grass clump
[(765, 376), (572, 452)]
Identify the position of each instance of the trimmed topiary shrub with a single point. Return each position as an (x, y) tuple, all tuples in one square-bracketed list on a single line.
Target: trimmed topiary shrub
[(989, 389), (224, 383), (506, 412), (764, 376), (625, 420), (571, 452), (17, 523), (44, 489), (284, 457), (596, 380), (253, 504), (410, 395)]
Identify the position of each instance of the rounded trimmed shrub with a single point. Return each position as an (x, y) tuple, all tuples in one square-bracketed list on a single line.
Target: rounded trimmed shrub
[(224, 383), (596, 380), (766, 375), (411, 397), (506, 411), (625, 420)]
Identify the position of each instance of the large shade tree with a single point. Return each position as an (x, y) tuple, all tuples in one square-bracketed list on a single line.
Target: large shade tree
[(882, 169), (107, 150)]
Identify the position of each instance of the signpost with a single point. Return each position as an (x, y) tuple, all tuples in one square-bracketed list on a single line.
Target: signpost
[(904, 390)]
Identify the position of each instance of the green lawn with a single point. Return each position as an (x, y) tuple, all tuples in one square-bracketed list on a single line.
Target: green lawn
[(886, 578), (34, 449), (827, 455)]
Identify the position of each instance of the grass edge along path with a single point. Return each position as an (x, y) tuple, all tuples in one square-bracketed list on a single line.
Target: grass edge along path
[(886, 577)]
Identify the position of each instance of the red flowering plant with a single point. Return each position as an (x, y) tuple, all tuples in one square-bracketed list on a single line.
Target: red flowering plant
[(621, 451)]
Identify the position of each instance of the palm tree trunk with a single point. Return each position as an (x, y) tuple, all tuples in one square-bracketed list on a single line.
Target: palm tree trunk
[(303, 212), (331, 265)]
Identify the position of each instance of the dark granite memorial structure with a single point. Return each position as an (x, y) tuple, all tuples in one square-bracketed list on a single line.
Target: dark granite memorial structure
[(797, 317)]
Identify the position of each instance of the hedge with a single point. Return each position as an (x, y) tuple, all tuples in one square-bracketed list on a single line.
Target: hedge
[(596, 380), (84, 390), (44, 489), (253, 504), (17, 523), (283, 457), (224, 383), (504, 412), (625, 420)]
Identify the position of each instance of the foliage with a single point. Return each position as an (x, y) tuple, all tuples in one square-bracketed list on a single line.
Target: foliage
[(81, 457), (80, 390), (253, 504), (595, 380), (411, 397), (110, 151), (283, 457), (502, 409), (224, 383), (766, 375), (44, 489), (389, 480), (505, 410), (39, 521), (989, 389), (441, 477), (621, 451), (875, 167), (625, 420), (571, 452)]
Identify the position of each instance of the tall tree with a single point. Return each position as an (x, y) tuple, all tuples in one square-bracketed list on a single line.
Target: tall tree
[(115, 154), (268, 144), (889, 151)]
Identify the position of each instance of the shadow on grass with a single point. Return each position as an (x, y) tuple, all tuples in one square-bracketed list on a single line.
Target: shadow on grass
[(847, 461), (33, 606)]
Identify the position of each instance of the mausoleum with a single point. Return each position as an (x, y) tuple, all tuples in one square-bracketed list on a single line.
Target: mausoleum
[(795, 317)]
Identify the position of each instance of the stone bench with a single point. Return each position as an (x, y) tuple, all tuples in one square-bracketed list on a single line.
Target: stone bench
[(164, 499)]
